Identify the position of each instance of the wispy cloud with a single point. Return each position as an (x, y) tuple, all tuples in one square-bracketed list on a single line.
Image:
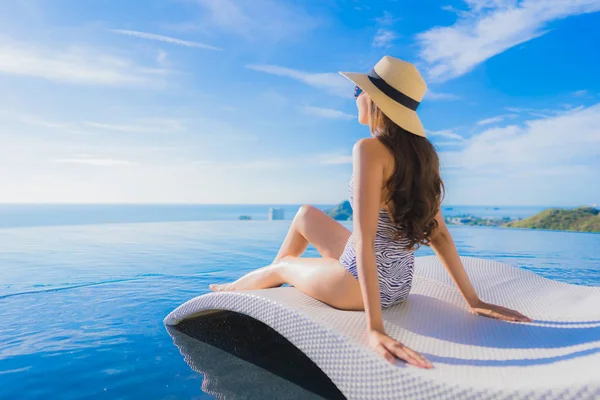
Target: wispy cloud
[(539, 146), (331, 82), (335, 159), (385, 36), (543, 112), (539, 162), (580, 93), (327, 113), (269, 20), (94, 161), (161, 57), (448, 143), (496, 119), (166, 39), (33, 120), (446, 133), (432, 95), (278, 162), (150, 125), (145, 125), (488, 28), (75, 65)]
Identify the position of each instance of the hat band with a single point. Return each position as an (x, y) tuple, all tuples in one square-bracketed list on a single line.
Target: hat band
[(391, 92)]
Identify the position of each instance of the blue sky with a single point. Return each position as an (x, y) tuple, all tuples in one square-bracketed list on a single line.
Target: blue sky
[(239, 101)]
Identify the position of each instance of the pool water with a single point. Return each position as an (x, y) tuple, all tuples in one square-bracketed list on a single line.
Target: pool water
[(82, 306)]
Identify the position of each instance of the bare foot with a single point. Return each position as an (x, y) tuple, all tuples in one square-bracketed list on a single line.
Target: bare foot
[(219, 287)]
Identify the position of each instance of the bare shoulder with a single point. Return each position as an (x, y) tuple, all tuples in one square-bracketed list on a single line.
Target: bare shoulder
[(372, 151), (369, 148)]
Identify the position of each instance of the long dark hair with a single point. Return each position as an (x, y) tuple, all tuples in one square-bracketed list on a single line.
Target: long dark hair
[(415, 189)]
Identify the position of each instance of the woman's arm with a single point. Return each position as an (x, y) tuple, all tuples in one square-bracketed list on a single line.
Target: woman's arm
[(368, 174), (368, 178), (443, 245)]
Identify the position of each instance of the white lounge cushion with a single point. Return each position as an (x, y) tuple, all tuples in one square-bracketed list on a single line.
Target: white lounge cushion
[(556, 356)]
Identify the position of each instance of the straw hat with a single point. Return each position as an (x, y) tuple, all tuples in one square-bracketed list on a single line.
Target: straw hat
[(397, 88)]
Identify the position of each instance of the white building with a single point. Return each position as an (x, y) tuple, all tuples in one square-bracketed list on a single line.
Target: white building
[(275, 214)]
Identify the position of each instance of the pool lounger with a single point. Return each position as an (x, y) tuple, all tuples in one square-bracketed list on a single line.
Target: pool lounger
[(556, 356)]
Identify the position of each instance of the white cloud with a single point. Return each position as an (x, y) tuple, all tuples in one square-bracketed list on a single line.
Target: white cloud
[(581, 93), (544, 112), (446, 133), (384, 38), (273, 97), (148, 125), (331, 82), (144, 125), (251, 164), (94, 161), (336, 159), (32, 120), (300, 161), (166, 39), (161, 57), (386, 19), (541, 146), (488, 28), (431, 95), (491, 120), (546, 161), (385, 35), (269, 20), (327, 113), (75, 65), (448, 143), (496, 119)]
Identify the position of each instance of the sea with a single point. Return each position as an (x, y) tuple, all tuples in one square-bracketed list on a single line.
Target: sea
[(84, 290)]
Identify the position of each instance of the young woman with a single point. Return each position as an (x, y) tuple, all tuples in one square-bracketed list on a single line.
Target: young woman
[(395, 192)]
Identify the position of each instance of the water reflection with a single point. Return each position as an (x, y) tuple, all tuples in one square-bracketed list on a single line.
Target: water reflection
[(242, 358)]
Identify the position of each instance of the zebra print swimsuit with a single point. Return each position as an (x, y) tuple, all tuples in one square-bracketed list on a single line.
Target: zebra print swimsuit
[(394, 264)]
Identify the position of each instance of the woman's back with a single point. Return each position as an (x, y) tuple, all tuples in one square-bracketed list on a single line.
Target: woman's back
[(395, 264)]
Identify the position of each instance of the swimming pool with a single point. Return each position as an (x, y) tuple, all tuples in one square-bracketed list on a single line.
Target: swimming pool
[(82, 306)]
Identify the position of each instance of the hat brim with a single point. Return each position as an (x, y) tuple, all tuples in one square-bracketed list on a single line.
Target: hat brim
[(402, 116)]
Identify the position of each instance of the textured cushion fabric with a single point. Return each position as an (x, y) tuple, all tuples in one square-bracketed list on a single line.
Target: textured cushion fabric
[(556, 356)]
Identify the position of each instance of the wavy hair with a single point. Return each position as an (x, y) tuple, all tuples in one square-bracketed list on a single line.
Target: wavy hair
[(416, 189)]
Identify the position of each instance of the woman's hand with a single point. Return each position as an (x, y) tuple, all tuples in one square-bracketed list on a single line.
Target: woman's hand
[(493, 311), (390, 348)]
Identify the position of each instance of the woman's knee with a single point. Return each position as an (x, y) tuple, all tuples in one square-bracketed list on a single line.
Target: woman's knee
[(285, 259), (301, 217), (305, 211)]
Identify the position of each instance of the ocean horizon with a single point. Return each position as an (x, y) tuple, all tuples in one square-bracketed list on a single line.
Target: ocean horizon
[(84, 289), (31, 215)]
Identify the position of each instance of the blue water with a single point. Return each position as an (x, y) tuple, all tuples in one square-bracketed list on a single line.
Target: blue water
[(81, 306), (23, 215)]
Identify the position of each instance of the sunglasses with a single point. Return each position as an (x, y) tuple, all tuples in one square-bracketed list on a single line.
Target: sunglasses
[(357, 91)]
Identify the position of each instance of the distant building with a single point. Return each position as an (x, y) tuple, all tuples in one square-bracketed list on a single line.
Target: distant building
[(275, 214)]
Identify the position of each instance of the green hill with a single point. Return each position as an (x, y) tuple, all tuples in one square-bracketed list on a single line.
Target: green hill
[(341, 212), (581, 219)]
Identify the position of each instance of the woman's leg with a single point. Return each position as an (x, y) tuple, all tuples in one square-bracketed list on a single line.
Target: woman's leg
[(311, 225), (311, 275), (324, 279)]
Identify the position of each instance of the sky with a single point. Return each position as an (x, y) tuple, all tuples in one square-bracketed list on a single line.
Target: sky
[(240, 101)]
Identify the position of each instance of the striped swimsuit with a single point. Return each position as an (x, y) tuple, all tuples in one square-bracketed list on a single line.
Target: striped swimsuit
[(394, 264)]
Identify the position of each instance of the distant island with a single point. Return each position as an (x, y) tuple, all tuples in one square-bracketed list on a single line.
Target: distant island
[(245, 217), (580, 219), (476, 221), (341, 212)]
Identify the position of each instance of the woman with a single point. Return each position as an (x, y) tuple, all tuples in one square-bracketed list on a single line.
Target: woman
[(395, 192)]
